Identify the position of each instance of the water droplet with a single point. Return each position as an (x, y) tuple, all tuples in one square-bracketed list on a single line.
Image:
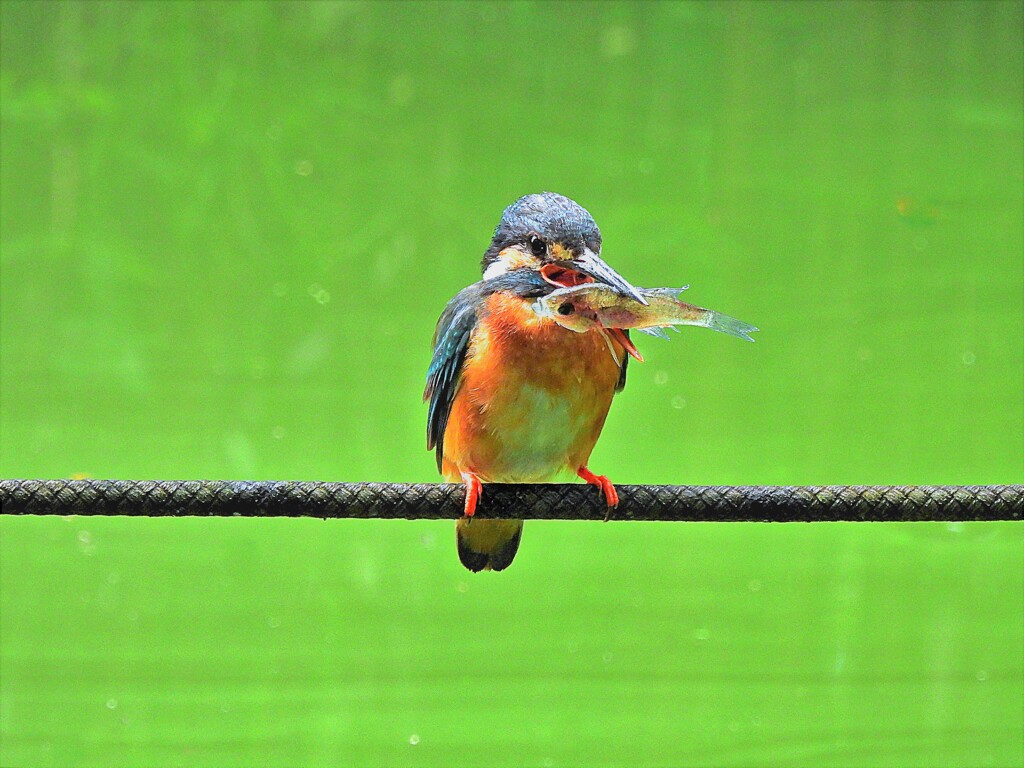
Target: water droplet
[(462, 586), (920, 243), (982, 675), (304, 168), (85, 537), (277, 432), (606, 657), (113, 577), (225, 708), (754, 585), (969, 358), (414, 739), (678, 402), (274, 132), (280, 289), (320, 294), (864, 354), (273, 622), (955, 527), (618, 41), (429, 541), (661, 378), (733, 726), (111, 703), (701, 634)]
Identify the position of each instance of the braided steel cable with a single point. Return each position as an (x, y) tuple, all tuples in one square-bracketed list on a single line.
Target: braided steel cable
[(692, 503)]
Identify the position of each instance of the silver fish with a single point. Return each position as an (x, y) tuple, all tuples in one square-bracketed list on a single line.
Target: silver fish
[(592, 306)]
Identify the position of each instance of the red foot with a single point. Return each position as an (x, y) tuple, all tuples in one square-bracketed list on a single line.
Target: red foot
[(604, 484), (474, 490)]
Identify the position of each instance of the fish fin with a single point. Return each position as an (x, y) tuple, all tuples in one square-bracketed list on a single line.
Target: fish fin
[(655, 330), (622, 337), (716, 321), (608, 343), (668, 292)]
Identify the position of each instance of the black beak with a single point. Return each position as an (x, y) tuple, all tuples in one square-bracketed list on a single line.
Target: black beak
[(589, 263)]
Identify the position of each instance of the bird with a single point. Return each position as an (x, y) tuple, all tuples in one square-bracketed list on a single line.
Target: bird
[(513, 396)]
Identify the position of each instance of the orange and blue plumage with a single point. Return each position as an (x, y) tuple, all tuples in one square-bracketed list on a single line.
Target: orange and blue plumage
[(514, 397)]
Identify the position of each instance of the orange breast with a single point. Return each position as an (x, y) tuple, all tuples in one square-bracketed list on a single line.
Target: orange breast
[(533, 397)]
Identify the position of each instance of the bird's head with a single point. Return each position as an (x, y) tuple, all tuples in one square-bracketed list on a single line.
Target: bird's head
[(556, 237)]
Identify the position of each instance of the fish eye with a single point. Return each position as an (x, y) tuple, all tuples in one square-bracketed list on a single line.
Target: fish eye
[(537, 246), (565, 309)]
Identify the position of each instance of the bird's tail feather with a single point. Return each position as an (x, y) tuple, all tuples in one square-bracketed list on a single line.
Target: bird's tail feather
[(487, 545)]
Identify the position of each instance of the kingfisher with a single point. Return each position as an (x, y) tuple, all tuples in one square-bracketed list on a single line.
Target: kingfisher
[(513, 396)]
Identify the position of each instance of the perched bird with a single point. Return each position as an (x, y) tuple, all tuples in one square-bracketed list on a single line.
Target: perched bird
[(515, 397)]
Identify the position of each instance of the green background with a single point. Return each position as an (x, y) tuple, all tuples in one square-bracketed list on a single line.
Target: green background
[(227, 232)]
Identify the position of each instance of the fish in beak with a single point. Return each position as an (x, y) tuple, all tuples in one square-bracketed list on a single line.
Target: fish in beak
[(587, 267)]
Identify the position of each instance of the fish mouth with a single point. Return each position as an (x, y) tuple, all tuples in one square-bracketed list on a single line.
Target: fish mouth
[(587, 267)]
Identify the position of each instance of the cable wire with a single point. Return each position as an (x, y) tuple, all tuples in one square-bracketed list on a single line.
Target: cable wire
[(689, 503)]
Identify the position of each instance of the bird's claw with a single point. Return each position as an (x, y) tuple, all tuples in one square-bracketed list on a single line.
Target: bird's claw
[(611, 496), (474, 490)]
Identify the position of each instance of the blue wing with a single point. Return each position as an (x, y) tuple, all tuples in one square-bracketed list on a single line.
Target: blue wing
[(621, 385), (451, 340)]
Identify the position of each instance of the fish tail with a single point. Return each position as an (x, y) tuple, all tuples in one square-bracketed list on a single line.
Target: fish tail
[(487, 545), (716, 321)]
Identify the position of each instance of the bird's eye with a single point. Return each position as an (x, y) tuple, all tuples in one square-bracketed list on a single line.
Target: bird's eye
[(566, 309), (537, 246)]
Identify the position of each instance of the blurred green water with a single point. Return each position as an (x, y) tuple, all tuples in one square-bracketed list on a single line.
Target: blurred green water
[(226, 231)]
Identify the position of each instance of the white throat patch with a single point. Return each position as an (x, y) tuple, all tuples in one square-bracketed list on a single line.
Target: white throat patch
[(494, 269)]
